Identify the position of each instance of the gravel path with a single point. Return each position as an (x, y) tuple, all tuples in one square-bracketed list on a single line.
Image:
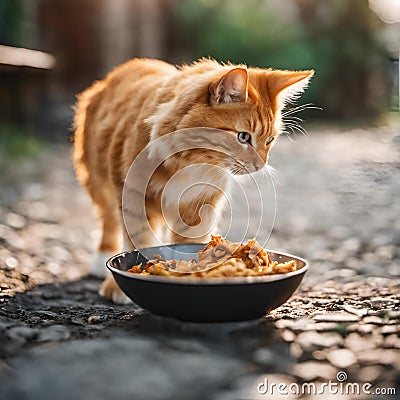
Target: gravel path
[(338, 205)]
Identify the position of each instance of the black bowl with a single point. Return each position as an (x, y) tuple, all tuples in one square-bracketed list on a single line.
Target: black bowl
[(228, 299)]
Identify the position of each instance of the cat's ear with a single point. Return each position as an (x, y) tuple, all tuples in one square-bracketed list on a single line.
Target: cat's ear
[(285, 86), (231, 88)]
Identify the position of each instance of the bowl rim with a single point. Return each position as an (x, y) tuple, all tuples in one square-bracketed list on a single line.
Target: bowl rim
[(195, 281)]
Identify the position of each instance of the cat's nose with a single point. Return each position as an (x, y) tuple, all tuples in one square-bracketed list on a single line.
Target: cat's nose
[(258, 164)]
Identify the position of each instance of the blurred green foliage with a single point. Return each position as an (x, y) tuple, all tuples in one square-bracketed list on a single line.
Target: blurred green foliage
[(11, 21), (339, 39), (15, 143), (341, 329), (242, 31)]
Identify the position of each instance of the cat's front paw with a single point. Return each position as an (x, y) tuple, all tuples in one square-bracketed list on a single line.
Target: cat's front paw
[(111, 291)]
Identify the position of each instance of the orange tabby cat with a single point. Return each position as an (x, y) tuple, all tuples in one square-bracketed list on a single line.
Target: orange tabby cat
[(144, 99)]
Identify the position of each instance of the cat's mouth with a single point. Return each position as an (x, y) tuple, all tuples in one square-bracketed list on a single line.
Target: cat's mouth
[(242, 171), (239, 168)]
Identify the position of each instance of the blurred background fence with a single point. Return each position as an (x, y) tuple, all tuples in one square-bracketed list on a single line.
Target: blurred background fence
[(352, 46)]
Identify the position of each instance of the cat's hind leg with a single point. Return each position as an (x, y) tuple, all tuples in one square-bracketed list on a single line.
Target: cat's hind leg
[(109, 245), (110, 226)]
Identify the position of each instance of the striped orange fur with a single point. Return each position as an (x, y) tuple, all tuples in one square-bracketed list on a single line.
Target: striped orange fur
[(144, 99)]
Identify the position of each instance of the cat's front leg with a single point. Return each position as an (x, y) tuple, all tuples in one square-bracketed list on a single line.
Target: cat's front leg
[(111, 291), (195, 223)]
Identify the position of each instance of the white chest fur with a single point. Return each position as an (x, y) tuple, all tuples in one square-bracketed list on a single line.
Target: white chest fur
[(199, 181)]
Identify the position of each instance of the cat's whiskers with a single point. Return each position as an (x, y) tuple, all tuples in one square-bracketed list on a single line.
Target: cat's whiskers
[(302, 107), (270, 171), (293, 126), (288, 135), (236, 169), (292, 123), (293, 119)]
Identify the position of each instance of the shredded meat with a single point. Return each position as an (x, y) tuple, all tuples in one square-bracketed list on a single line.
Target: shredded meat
[(219, 258)]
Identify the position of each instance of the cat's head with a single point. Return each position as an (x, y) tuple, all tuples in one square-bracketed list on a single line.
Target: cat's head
[(246, 104)]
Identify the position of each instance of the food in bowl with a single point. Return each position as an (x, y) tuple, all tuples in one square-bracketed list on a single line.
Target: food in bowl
[(219, 258)]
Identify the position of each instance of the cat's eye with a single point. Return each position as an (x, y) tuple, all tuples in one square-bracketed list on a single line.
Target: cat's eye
[(270, 139), (244, 137)]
